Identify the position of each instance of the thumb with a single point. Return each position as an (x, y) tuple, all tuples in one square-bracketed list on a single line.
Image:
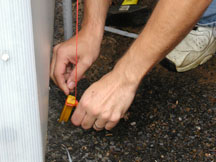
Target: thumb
[(81, 69)]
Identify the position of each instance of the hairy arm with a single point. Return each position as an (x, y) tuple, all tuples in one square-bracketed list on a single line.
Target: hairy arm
[(95, 12), (90, 37), (170, 22)]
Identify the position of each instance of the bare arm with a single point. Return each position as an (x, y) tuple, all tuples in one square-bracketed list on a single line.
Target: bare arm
[(95, 12), (90, 37), (170, 22)]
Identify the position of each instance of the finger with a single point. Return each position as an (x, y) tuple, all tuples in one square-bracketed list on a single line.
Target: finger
[(78, 115), (88, 121), (99, 124), (115, 118), (110, 125), (68, 72), (52, 65), (60, 69), (81, 68), (66, 76)]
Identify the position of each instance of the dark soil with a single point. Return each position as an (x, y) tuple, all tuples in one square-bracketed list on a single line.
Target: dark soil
[(173, 116)]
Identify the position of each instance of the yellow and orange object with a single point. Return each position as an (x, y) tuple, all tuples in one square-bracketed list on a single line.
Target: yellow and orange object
[(70, 103), (130, 2)]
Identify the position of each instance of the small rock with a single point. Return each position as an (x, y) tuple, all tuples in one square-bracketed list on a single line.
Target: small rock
[(111, 143), (84, 148), (108, 153), (138, 159), (187, 109), (133, 123), (65, 157), (100, 156), (161, 144), (173, 106), (198, 127), (207, 154), (126, 153)]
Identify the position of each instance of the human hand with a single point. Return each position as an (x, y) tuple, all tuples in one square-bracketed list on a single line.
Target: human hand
[(64, 57), (104, 102)]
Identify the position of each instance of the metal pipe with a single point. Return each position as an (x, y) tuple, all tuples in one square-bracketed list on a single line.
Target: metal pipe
[(120, 32), (67, 19)]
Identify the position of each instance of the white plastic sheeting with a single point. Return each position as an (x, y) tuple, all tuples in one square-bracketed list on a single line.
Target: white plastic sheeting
[(26, 30)]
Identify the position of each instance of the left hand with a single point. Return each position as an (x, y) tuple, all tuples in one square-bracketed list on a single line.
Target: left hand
[(104, 103)]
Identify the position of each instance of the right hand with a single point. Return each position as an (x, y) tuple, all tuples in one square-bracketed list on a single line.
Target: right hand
[(64, 56)]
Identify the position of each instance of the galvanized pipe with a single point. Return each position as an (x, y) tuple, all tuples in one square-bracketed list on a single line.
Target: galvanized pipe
[(120, 32), (67, 19)]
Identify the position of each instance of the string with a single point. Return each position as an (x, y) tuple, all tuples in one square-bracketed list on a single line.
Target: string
[(77, 19)]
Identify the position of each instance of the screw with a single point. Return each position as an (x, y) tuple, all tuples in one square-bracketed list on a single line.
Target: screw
[(5, 57)]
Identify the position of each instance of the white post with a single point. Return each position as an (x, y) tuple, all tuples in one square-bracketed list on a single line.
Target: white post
[(26, 31)]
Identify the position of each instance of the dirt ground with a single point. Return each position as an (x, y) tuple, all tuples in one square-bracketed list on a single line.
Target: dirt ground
[(172, 118)]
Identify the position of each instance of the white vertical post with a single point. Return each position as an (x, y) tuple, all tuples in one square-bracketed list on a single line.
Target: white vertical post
[(26, 30)]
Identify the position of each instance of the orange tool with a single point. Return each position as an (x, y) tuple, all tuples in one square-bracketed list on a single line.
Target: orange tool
[(70, 103)]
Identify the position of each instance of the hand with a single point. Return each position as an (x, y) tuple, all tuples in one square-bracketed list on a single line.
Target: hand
[(64, 56), (104, 102)]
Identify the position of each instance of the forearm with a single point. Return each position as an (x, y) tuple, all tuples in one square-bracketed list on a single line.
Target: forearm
[(170, 22), (95, 12)]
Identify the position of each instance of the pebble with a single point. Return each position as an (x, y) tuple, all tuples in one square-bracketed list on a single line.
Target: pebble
[(133, 123), (161, 144), (84, 148), (198, 127)]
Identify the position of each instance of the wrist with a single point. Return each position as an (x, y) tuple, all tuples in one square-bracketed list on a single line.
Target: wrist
[(122, 80), (128, 74), (133, 66), (94, 30)]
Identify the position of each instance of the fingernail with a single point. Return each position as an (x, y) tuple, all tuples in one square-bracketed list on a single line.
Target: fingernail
[(71, 85)]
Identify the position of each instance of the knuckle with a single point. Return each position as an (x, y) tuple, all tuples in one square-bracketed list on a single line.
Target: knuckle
[(115, 118), (95, 112), (55, 48), (86, 62), (60, 52), (108, 127), (84, 104), (88, 108), (105, 116), (56, 74), (75, 123), (85, 126)]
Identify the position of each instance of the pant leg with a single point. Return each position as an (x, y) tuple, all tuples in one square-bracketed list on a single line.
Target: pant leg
[(209, 17)]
